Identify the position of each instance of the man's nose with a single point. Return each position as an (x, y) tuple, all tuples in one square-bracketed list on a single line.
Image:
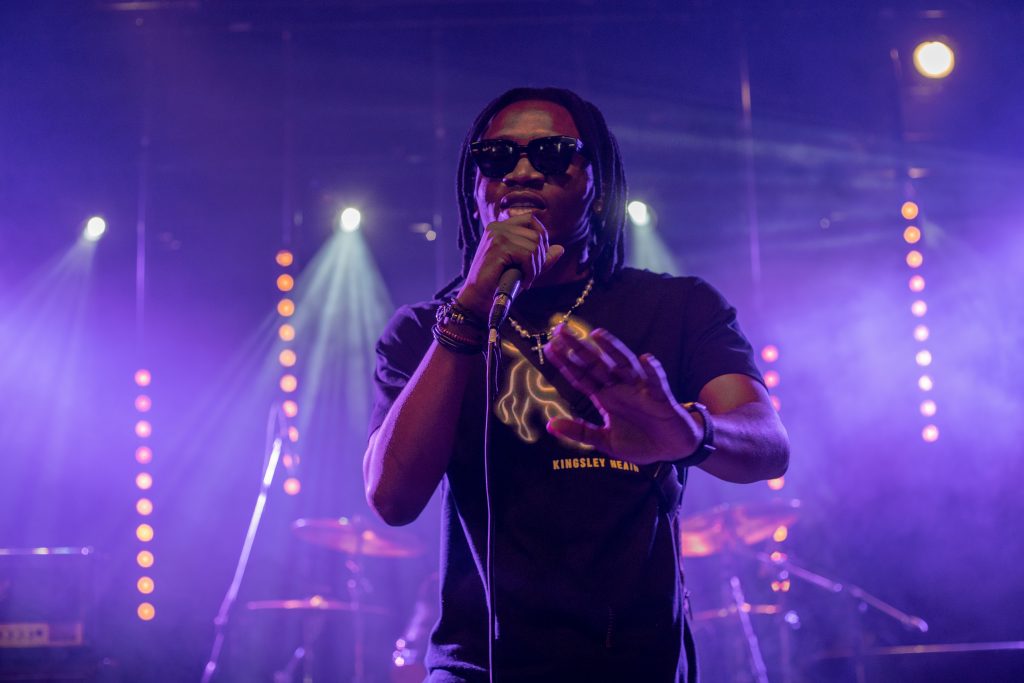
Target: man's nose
[(524, 173)]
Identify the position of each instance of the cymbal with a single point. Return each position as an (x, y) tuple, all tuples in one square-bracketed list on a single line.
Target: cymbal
[(733, 524), (315, 603), (356, 537)]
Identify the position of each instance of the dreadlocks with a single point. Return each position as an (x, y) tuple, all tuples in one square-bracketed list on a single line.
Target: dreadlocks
[(606, 227)]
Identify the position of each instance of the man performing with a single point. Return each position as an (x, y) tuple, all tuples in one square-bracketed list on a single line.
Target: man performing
[(614, 381)]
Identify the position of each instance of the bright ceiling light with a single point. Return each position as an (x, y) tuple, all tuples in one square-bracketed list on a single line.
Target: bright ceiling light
[(94, 228), (350, 219), (934, 59)]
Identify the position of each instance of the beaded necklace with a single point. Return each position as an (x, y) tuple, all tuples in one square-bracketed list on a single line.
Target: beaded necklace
[(541, 338)]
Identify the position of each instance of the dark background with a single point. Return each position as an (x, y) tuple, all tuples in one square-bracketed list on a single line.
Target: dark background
[(235, 128)]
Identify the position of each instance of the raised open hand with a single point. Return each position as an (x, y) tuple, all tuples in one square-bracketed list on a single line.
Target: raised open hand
[(643, 422)]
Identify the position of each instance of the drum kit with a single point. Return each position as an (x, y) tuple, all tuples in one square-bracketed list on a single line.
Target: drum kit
[(730, 533)]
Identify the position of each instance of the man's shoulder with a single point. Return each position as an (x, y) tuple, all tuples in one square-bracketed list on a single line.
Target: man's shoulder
[(410, 320), (655, 283)]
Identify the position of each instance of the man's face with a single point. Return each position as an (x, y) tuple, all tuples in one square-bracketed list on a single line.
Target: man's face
[(561, 202)]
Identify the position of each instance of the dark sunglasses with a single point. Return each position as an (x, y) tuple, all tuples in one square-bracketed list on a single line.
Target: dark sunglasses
[(550, 156)]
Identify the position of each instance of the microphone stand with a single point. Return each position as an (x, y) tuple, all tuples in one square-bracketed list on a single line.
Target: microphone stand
[(270, 468)]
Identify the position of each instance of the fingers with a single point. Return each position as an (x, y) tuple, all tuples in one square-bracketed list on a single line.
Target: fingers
[(583, 365), (626, 365), (555, 252), (655, 379), (520, 241), (575, 429)]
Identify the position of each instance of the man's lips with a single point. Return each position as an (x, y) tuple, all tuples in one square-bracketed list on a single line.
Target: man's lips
[(522, 202)]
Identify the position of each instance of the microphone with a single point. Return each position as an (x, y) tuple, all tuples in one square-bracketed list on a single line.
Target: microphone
[(508, 287)]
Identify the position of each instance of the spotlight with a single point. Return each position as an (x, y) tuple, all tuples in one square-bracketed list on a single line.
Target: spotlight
[(146, 611), (285, 282), (143, 429), (94, 228), (284, 258), (350, 219), (909, 210), (638, 213), (934, 59)]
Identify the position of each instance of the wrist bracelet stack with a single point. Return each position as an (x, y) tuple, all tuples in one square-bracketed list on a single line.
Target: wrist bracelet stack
[(458, 329)]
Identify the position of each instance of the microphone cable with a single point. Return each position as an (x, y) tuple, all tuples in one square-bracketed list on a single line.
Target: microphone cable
[(493, 349)]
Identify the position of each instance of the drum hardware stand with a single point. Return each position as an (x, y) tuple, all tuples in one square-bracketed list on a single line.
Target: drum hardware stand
[(275, 426), (757, 666), (863, 598)]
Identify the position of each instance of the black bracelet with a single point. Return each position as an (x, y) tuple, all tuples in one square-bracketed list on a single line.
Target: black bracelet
[(706, 446), (454, 343)]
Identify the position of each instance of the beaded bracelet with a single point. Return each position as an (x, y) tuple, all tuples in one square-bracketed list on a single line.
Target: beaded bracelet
[(452, 312)]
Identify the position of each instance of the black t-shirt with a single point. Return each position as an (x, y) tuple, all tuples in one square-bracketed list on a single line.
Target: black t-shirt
[(588, 581)]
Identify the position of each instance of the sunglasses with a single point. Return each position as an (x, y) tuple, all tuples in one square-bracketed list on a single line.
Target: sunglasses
[(550, 156)]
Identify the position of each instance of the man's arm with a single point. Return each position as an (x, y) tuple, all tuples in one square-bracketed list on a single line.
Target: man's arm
[(409, 453), (750, 442), (644, 423)]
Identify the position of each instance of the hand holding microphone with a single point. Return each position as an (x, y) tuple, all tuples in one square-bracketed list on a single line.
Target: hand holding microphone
[(510, 256)]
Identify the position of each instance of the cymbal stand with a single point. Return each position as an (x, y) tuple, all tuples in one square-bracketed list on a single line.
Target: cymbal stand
[(757, 667), (356, 585), (856, 592)]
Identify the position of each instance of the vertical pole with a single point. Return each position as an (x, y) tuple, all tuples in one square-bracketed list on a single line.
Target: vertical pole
[(750, 171)]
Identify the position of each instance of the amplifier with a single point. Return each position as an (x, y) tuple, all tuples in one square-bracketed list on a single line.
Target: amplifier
[(46, 614)]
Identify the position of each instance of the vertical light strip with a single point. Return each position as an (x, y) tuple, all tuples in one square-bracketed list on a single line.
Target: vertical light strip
[(772, 380), (288, 383), (145, 610), (914, 259)]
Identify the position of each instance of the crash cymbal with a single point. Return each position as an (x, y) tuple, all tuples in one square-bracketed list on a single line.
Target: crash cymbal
[(314, 603), (734, 524), (356, 537)]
